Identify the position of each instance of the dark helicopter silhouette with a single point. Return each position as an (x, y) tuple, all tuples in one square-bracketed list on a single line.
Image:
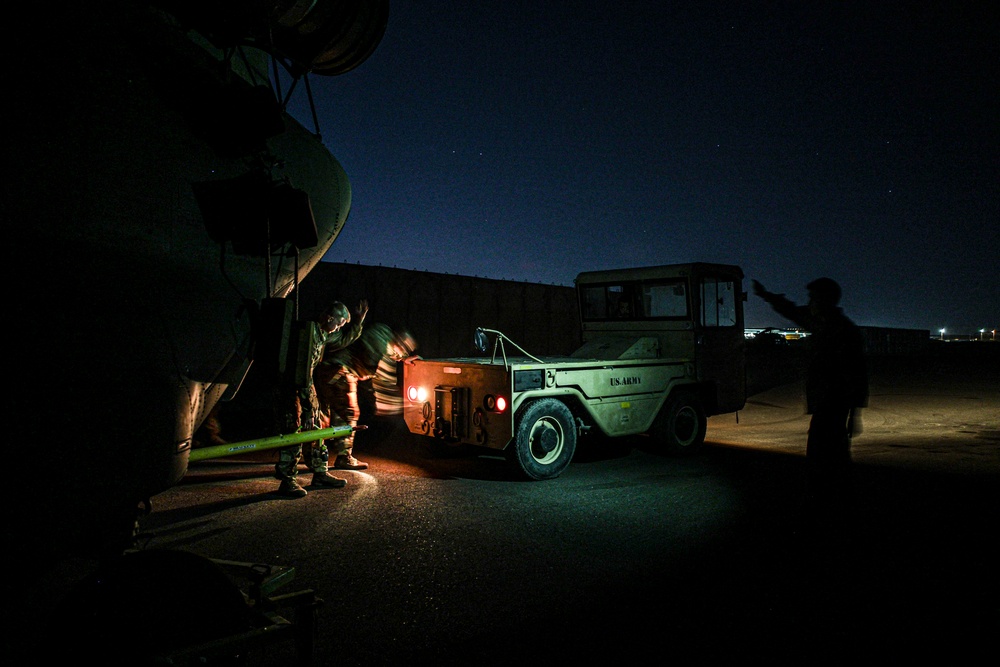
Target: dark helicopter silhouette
[(157, 196)]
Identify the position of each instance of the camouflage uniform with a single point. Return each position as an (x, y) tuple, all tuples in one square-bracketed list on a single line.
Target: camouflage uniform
[(385, 386), (338, 396), (337, 379), (298, 407)]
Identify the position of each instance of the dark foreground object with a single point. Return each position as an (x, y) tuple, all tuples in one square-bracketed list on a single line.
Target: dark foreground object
[(629, 556)]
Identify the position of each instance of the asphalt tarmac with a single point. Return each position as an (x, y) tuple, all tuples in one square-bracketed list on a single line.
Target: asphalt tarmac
[(629, 556)]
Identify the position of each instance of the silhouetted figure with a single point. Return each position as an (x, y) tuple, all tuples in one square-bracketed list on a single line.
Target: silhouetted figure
[(836, 378)]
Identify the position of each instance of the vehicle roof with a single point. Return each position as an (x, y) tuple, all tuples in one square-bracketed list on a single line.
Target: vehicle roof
[(661, 271)]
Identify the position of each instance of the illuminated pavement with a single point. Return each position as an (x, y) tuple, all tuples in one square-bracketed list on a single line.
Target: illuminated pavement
[(932, 416), (630, 554)]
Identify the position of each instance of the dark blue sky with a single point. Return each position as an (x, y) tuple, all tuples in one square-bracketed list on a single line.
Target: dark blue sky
[(530, 141)]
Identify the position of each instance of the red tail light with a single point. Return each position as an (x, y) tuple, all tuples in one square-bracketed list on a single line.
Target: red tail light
[(494, 403)]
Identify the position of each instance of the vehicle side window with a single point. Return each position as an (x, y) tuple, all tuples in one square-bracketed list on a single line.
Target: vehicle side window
[(635, 301), (594, 303), (668, 300), (620, 302), (718, 303)]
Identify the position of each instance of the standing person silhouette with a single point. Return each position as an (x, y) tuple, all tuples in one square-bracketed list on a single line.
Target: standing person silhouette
[(836, 378)]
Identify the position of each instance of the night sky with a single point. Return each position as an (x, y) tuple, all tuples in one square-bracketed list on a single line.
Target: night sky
[(531, 141)]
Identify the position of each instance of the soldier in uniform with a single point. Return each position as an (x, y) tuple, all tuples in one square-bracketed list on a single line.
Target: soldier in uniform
[(298, 407), (338, 376), (836, 378)]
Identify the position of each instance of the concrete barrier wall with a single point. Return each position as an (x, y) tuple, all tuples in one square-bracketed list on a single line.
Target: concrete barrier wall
[(442, 310)]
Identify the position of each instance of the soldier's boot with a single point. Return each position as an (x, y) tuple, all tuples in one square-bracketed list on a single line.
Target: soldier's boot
[(348, 462), (324, 478), (290, 488)]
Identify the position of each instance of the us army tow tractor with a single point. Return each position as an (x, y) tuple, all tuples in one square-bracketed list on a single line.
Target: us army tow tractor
[(663, 349)]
